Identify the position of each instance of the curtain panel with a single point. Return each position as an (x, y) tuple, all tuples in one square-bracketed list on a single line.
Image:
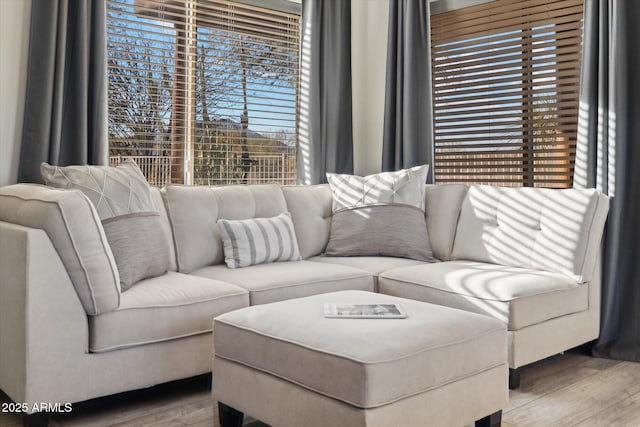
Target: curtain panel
[(607, 157), (408, 122), (325, 135), (65, 119)]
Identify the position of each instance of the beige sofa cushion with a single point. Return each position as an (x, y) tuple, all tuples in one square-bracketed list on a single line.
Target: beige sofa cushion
[(364, 362), (195, 210), (545, 229), (310, 208), (158, 202), (164, 308), (372, 264), (516, 296), (442, 209), (279, 281), (73, 226)]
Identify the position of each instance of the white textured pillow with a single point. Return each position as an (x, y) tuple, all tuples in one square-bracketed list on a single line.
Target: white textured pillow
[(403, 187), (259, 240), (113, 191)]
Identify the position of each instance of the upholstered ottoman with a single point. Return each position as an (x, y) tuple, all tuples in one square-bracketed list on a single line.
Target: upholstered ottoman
[(287, 365)]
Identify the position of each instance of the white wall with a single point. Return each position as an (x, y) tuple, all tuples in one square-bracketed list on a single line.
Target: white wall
[(369, 21), (14, 43)]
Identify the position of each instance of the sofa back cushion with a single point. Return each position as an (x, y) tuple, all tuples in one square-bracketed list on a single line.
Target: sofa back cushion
[(194, 212), (552, 230), (442, 208), (310, 208), (73, 226), (165, 226)]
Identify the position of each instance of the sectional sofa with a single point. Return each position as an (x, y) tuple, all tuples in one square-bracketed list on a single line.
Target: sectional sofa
[(529, 257)]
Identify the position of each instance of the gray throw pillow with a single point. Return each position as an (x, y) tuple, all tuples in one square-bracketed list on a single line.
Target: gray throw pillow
[(138, 245), (386, 230), (131, 222), (380, 215), (259, 240)]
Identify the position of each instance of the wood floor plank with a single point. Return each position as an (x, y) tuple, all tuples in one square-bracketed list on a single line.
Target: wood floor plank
[(581, 400), (620, 414), (553, 374)]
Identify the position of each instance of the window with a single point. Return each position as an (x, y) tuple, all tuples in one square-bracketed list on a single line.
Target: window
[(505, 92), (203, 91)]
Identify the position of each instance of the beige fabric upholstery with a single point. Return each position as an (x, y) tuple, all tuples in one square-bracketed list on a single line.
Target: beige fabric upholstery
[(442, 208), (164, 308), (556, 335), (365, 363), (194, 211), (72, 224), (516, 296), (264, 396), (284, 280), (310, 208), (552, 230), (45, 334), (158, 202), (372, 264)]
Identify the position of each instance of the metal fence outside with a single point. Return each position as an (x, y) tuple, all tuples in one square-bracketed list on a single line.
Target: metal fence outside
[(264, 169)]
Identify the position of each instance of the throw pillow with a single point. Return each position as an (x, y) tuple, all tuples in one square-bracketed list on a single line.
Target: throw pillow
[(131, 222), (259, 240), (112, 190), (380, 215), (138, 245)]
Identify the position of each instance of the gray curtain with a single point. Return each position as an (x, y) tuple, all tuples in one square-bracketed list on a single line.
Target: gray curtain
[(408, 129), (65, 120), (325, 137), (608, 155)]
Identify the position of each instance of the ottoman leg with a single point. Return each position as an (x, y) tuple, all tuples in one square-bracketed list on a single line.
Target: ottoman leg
[(493, 420), (229, 417), (514, 378)]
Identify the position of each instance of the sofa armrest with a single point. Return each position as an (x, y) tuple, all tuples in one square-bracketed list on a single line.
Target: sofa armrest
[(44, 331)]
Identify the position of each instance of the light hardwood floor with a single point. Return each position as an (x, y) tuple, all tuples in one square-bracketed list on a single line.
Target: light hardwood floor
[(567, 390)]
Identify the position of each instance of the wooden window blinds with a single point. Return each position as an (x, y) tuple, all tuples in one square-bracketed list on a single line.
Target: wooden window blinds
[(203, 91), (505, 92)]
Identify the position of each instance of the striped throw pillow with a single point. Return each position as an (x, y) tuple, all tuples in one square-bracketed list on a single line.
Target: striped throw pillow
[(259, 240)]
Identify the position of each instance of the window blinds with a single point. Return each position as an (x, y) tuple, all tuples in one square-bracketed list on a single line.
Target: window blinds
[(203, 91), (505, 92)]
